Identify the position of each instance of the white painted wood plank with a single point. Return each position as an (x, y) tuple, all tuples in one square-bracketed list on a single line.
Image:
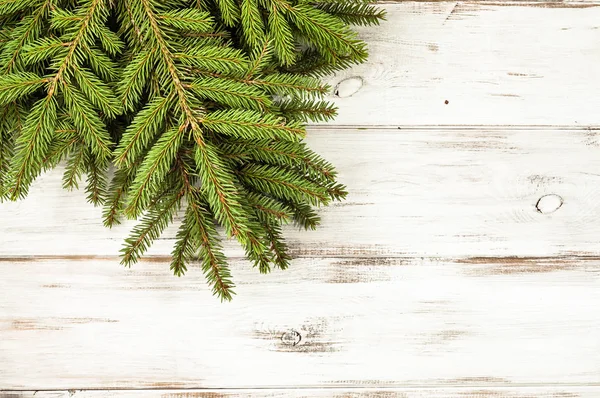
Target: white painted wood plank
[(439, 392), (495, 63), (420, 192), (370, 322)]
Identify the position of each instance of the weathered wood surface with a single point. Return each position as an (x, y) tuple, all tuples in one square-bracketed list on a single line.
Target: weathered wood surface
[(495, 63), (327, 322), (414, 192), (449, 272), (439, 392)]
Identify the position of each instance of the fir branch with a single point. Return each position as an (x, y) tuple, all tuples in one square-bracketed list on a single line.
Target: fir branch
[(28, 30), (15, 86), (13, 6), (252, 24), (97, 179), (39, 128), (206, 102), (169, 60), (102, 65), (62, 19), (150, 227), (286, 154), (312, 63), (355, 13), (59, 148), (197, 233), (259, 59), (31, 146), (74, 168), (97, 92), (336, 191), (215, 58), (248, 124), (10, 125), (218, 184), (230, 93), (218, 187), (281, 33), (78, 37), (115, 200), (230, 11), (153, 170), (269, 208), (129, 27), (42, 50), (142, 130), (111, 43), (135, 77), (327, 33), (283, 184), (307, 109), (190, 19), (277, 245), (291, 84), (304, 215), (87, 122), (280, 84)]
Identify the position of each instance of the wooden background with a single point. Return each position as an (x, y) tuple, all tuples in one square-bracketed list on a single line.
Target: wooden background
[(465, 262)]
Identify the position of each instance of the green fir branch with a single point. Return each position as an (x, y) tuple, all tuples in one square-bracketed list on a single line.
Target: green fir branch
[(201, 106), (15, 86), (198, 238), (247, 124)]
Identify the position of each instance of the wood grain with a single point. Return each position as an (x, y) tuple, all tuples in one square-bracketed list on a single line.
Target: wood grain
[(439, 392), (495, 63), (465, 262), (327, 322), (413, 192)]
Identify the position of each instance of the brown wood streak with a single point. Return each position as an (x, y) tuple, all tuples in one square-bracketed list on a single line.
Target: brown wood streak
[(362, 270), (525, 265), (187, 394), (50, 323), (77, 257), (477, 380), (542, 4), (367, 269), (339, 392), (374, 394)]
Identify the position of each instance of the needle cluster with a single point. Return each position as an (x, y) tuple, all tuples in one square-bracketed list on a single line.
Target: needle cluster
[(182, 110)]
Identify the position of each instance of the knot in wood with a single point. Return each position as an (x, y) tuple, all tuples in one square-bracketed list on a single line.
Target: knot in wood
[(549, 204), (291, 337), (348, 86)]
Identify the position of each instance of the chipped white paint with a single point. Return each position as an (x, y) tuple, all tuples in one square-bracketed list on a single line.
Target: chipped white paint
[(413, 192), (358, 392), (465, 262), (474, 322), (495, 63)]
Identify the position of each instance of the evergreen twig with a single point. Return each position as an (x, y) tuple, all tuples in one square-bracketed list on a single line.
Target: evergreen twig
[(195, 110)]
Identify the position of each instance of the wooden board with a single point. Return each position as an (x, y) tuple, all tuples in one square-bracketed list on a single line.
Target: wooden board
[(439, 392), (413, 192), (495, 63), (465, 262), (327, 322)]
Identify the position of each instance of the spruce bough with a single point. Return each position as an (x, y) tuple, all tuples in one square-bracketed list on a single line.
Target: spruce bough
[(187, 110)]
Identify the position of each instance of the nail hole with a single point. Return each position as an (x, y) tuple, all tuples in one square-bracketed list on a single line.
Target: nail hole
[(291, 337), (549, 204), (446, 102), (348, 87)]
